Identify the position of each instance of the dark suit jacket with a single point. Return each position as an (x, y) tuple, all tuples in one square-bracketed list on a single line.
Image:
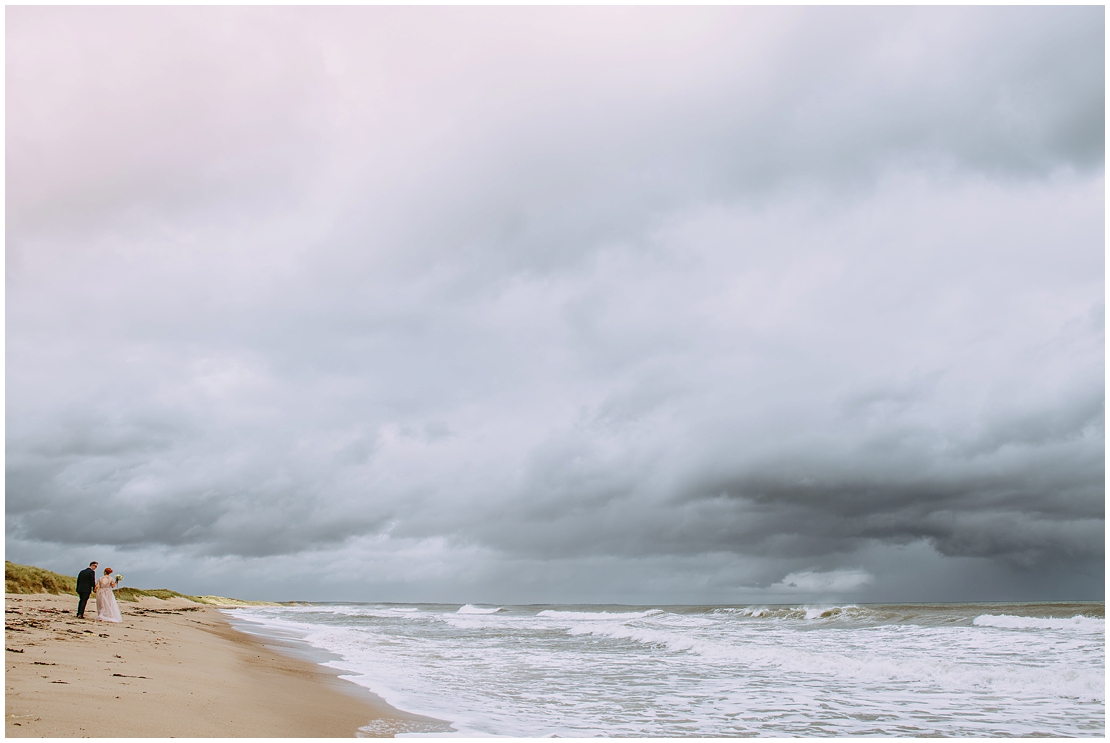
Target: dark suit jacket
[(85, 580)]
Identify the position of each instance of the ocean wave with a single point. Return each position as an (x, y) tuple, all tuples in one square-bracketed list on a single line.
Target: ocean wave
[(858, 663), (662, 638), (588, 616), (833, 612), (514, 675), (807, 613), (1007, 621), (471, 609)]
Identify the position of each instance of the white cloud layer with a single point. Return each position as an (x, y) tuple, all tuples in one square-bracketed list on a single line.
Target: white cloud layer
[(559, 304)]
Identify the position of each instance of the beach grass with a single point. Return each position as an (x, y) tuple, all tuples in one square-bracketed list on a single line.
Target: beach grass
[(30, 579), (127, 593)]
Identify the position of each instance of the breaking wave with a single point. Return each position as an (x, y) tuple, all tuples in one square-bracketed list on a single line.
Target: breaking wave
[(775, 671), (1006, 621), (587, 616), (471, 609)]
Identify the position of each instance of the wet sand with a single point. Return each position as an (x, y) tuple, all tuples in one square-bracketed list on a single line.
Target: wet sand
[(171, 669)]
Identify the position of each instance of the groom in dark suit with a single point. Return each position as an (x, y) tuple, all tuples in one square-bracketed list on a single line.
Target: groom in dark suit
[(86, 579)]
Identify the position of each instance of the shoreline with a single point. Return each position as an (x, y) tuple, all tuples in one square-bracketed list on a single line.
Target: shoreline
[(398, 722), (173, 668)]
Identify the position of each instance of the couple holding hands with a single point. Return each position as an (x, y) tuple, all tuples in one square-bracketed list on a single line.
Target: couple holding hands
[(107, 610)]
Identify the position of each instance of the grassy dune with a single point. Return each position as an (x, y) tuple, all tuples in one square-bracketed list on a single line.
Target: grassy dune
[(29, 579)]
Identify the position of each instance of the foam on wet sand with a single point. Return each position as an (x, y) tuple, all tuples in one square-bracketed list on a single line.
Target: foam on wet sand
[(172, 668)]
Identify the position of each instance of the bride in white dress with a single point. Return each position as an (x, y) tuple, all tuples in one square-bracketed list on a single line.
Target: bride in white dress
[(107, 610)]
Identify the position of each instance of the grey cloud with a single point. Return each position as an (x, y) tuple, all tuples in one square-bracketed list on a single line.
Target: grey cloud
[(837, 90), (750, 292), (227, 519)]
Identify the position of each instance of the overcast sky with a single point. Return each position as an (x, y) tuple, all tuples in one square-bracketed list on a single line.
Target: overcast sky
[(559, 304)]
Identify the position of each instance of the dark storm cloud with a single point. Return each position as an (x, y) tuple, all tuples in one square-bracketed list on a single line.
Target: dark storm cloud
[(537, 299), (1036, 491), (97, 482)]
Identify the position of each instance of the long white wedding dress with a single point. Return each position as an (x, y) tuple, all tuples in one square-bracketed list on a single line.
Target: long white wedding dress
[(107, 610)]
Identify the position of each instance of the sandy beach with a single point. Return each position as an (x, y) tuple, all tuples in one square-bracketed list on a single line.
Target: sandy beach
[(171, 669)]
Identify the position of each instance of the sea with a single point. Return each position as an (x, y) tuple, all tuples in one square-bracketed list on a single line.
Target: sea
[(999, 669)]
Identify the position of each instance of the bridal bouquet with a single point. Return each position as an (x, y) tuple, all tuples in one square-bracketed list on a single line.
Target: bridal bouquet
[(119, 578)]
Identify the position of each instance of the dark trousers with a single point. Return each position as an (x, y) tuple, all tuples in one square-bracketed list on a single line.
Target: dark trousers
[(81, 604)]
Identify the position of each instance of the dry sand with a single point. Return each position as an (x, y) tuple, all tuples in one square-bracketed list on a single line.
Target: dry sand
[(171, 669)]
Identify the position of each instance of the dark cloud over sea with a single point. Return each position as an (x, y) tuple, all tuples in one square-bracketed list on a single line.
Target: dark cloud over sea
[(559, 304)]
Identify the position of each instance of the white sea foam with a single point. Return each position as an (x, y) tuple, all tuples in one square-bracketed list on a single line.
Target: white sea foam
[(597, 616), (840, 660), (471, 609), (1011, 622), (612, 671), (807, 613), (746, 611)]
